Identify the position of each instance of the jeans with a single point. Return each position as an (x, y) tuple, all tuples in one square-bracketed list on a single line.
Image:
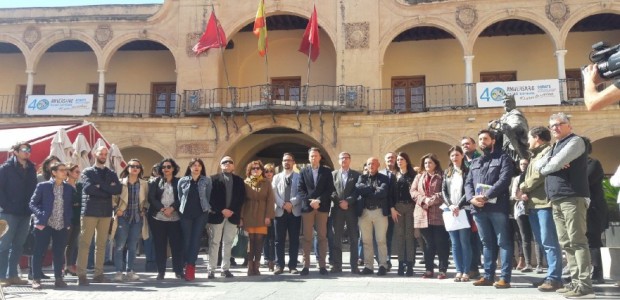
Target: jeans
[(269, 248), (461, 249), (287, 223), (192, 233), (569, 215), (493, 228), (476, 250), (41, 241), (12, 243), (126, 234), (546, 235)]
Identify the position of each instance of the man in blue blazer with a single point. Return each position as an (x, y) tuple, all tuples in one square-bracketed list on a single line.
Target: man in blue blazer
[(314, 190)]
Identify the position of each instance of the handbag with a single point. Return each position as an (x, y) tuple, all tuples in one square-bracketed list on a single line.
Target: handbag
[(240, 245)]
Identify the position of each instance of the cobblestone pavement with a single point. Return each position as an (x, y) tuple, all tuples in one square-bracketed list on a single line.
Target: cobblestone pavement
[(291, 287)]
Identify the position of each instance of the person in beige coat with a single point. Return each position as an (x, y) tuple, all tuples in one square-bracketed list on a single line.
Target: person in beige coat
[(257, 212), (130, 207)]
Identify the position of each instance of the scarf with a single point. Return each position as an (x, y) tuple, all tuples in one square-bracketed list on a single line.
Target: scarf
[(254, 181)]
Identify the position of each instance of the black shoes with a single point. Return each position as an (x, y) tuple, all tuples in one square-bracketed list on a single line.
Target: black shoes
[(323, 271), (401, 268), (211, 275), (382, 271), (227, 274), (367, 271), (304, 272), (409, 272)]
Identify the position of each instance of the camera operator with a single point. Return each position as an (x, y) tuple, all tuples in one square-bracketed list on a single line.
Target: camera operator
[(594, 99)]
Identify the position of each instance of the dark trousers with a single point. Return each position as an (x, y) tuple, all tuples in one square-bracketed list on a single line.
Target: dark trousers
[(167, 233), (192, 229), (41, 240), (435, 242), (72, 245), (339, 219), (287, 223), (525, 230), (269, 245)]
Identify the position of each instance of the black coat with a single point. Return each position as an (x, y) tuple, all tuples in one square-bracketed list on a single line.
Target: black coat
[(97, 192), (306, 189), (156, 190), (218, 199), (17, 185), (368, 192), (597, 211)]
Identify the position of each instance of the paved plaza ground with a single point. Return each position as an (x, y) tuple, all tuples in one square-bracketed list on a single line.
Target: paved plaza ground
[(292, 287)]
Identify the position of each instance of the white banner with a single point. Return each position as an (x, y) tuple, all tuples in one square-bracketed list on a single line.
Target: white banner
[(59, 105), (527, 93)]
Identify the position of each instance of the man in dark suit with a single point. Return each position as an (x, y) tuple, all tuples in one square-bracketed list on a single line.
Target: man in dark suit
[(373, 208), (343, 212), (314, 191), (227, 196)]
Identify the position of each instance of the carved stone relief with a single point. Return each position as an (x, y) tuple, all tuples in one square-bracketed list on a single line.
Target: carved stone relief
[(31, 36), (357, 35), (194, 149), (103, 34), (557, 11), (466, 17)]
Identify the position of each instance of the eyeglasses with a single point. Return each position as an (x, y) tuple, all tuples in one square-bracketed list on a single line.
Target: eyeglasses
[(268, 171), (227, 162), (556, 125), (167, 167), (400, 159), (287, 160), (25, 149), (76, 171), (134, 166), (345, 157), (256, 168)]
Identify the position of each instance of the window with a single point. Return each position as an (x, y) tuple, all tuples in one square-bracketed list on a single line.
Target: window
[(37, 89), (574, 84), (286, 88), (109, 97), (164, 99), (408, 94), (498, 76)]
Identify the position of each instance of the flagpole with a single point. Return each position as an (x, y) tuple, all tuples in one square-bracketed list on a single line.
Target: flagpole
[(266, 51), (219, 40), (309, 53)]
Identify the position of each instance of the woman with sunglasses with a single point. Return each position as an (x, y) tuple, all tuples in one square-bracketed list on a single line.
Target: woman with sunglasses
[(130, 208), (257, 212), (194, 192), (73, 175), (164, 217), (51, 206), (269, 248)]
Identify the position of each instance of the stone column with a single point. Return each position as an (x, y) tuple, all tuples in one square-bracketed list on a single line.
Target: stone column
[(100, 92), (469, 79), (30, 82), (560, 55)]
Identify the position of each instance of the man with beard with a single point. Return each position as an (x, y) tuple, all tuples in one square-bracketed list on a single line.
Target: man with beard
[(288, 214), (487, 189), (99, 185), (18, 180)]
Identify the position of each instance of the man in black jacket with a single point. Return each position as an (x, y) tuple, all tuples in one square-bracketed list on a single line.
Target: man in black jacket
[(373, 207), (227, 196), (99, 185), (17, 182), (315, 189)]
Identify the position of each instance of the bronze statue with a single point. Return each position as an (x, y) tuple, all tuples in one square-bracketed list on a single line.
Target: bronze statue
[(512, 128)]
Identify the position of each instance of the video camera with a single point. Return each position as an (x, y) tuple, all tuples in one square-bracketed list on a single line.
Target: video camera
[(606, 59)]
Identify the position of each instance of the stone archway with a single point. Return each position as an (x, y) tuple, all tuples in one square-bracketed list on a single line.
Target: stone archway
[(418, 149), (148, 157)]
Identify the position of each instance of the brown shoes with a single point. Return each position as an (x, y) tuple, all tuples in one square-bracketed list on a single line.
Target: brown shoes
[(59, 283), (549, 286), (82, 281), (17, 281), (501, 284), (483, 282)]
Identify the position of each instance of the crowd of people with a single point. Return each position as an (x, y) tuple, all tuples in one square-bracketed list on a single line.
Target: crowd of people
[(477, 205)]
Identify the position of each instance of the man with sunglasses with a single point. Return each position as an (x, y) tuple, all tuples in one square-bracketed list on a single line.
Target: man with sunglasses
[(18, 180), (227, 196)]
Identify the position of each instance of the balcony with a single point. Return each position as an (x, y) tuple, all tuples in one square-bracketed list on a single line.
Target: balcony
[(292, 99)]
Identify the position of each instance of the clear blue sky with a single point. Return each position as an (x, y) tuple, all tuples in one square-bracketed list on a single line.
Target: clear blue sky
[(57, 3)]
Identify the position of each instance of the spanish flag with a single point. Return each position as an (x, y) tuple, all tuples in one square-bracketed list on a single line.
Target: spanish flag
[(260, 28)]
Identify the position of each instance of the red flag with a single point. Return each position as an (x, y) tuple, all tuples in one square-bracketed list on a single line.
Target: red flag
[(310, 41), (214, 36)]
